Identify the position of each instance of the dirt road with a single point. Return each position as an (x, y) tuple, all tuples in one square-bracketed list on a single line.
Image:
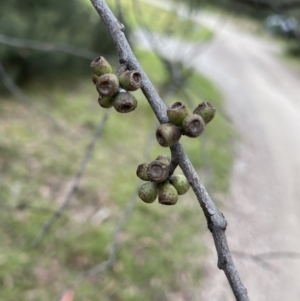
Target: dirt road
[(263, 100), (262, 97)]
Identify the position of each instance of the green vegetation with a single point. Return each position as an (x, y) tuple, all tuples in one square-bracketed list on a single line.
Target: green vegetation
[(142, 15), (57, 22), (160, 247), (52, 21), (41, 148)]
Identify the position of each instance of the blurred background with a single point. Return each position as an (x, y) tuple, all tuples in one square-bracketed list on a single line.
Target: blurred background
[(69, 215)]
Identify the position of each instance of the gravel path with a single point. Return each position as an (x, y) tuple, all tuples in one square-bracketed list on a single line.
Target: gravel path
[(262, 97), (263, 211), (263, 100)]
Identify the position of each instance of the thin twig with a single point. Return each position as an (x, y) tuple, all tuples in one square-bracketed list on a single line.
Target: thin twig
[(277, 254), (108, 264), (23, 98), (23, 207), (264, 258), (76, 182), (215, 219), (263, 263), (47, 47), (12, 87)]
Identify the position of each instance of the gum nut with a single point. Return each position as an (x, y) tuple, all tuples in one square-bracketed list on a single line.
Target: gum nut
[(158, 171), (193, 125), (107, 84), (206, 110), (167, 194), (168, 134), (106, 102), (130, 80), (125, 102), (164, 159), (141, 172), (148, 192), (180, 183), (176, 113), (100, 66)]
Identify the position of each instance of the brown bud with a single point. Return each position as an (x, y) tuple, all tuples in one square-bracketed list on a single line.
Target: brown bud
[(125, 102), (193, 125), (158, 171), (100, 66), (168, 134), (107, 84), (106, 102), (130, 80), (167, 194), (148, 192), (141, 172), (164, 159), (206, 110), (180, 183), (176, 113)]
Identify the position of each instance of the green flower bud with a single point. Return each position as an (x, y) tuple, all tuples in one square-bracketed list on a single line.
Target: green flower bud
[(141, 172), (167, 194), (107, 84), (106, 102), (168, 134), (180, 183), (158, 171), (100, 66), (176, 113), (130, 80), (148, 192), (125, 102), (164, 159), (193, 125), (206, 110)]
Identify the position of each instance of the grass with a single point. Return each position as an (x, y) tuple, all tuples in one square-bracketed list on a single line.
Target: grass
[(160, 247), (38, 163)]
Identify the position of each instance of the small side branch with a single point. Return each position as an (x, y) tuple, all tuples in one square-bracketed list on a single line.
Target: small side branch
[(21, 97), (263, 259), (47, 47), (215, 219), (109, 263), (86, 157)]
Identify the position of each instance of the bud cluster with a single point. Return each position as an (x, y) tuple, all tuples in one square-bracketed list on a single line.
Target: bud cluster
[(183, 123), (113, 89), (160, 183)]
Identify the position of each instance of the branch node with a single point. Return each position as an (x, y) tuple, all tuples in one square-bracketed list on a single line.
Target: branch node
[(121, 26), (211, 212), (222, 261)]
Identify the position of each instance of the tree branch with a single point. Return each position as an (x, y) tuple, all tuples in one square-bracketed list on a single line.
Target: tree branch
[(20, 96), (215, 219), (264, 258), (47, 47), (86, 157), (109, 263), (279, 6)]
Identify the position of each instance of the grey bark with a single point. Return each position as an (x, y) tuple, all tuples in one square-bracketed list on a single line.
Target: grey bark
[(215, 220)]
